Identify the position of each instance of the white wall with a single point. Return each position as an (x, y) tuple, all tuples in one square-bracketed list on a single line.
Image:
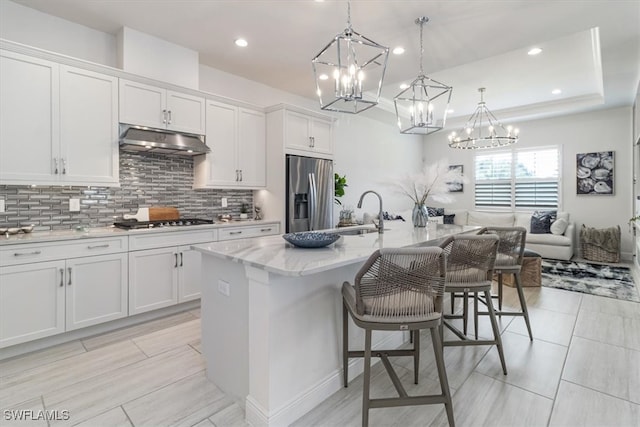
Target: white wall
[(604, 130), (31, 27)]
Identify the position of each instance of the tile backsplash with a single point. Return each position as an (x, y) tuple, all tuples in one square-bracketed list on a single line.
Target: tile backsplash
[(145, 180)]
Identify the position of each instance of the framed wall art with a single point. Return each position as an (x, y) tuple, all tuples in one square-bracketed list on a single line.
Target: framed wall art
[(455, 187), (594, 173)]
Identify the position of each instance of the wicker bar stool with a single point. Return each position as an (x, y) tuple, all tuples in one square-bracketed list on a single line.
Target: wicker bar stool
[(470, 261), (508, 261), (397, 290)]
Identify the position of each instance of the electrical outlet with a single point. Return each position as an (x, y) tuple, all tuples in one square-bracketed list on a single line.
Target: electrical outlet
[(2, 206), (74, 205), (223, 287), (224, 202)]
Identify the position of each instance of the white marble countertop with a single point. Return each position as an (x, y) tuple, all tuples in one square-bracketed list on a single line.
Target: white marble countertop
[(111, 231), (275, 255)]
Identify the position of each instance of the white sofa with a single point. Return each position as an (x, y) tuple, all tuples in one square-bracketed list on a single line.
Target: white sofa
[(556, 246)]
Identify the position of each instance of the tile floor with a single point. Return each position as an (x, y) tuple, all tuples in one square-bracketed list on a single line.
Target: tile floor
[(582, 369)]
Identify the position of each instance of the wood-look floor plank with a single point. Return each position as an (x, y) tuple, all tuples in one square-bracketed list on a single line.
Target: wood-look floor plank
[(609, 328), (580, 406), (546, 325), (169, 338), (231, 416), (611, 306), (534, 366), (183, 403), (27, 414), (91, 397), (63, 373), (553, 299), (115, 417), (483, 401), (604, 367), (40, 357), (137, 330)]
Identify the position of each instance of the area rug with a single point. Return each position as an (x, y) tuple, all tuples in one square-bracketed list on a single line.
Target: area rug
[(595, 279)]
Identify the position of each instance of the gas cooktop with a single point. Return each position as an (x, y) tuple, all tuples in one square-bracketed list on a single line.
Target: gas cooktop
[(130, 224)]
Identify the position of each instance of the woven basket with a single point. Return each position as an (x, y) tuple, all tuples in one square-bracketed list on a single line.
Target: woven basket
[(592, 252)]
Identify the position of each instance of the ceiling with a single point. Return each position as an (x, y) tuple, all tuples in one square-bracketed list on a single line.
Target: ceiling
[(591, 49)]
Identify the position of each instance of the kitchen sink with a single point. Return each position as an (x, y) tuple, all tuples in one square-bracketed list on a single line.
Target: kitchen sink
[(357, 231)]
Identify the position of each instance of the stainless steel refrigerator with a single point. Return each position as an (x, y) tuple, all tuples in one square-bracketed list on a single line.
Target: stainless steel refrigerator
[(310, 188)]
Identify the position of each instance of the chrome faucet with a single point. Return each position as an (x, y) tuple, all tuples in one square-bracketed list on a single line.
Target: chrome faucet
[(380, 225)]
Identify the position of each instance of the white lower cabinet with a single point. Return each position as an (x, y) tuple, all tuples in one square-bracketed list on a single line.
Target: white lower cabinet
[(40, 297), (96, 290), (31, 302), (161, 275)]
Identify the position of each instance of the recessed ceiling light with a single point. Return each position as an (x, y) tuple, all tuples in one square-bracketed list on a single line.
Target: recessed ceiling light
[(403, 86), (450, 110), (398, 50), (241, 42), (534, 51), (323, 77), (556, 91)]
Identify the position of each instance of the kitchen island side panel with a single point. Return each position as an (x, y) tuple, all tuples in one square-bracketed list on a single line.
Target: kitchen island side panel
[(290, 328)]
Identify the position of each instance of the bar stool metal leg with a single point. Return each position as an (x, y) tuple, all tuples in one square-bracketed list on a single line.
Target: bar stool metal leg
[(345, 345), (496, 331), (366, 378), (523, 304), (438, 350)]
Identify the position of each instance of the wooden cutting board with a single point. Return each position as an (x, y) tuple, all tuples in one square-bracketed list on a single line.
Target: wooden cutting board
[(163, 213)]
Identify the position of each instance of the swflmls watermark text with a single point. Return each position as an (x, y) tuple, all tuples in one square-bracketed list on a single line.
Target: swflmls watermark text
[(31, 415)]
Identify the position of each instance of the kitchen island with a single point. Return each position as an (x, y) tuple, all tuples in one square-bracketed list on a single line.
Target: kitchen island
[(271, 317)]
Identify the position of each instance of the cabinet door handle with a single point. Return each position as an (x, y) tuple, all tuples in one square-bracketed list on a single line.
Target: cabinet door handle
[(64, 166), (181, 259), (264, 230), (313, 141), (240, 174), (27, 253), (237, 175), (106, 245), (164, 116), (169, 116), (55, 165), (175, 264), (61, 277), (310, 142), (69, 271), (235, 232)]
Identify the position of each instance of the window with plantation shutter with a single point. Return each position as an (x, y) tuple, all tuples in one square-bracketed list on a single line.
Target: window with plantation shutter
[(524, 179)]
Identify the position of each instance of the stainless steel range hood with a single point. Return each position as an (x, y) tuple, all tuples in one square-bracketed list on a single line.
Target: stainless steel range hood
[(150, 140)]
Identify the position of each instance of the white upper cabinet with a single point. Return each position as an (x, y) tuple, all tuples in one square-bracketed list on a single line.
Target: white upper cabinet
[(236, 136), (29, 136), (146, 105), (88, 126), (58, 124), (307, 134)]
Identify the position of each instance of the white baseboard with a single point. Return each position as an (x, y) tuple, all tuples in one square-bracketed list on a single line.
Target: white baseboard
[(256, 415)]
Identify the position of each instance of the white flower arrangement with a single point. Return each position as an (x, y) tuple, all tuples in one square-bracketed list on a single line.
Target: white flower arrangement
[(431, 184)]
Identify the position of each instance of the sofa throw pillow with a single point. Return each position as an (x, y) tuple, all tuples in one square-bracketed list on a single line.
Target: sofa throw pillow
[(541, 221), (449, 219), (435, 211), (559, 226)]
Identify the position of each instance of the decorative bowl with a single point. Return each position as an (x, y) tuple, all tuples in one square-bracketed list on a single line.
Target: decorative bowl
[(310, 239), (13, 230), (26, 228)]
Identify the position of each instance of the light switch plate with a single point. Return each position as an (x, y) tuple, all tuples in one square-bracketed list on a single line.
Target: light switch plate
[(74, 205), (224, 202)]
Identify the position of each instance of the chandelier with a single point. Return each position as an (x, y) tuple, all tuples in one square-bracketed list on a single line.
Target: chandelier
[(483, 130), (422, 107), (349, 67)]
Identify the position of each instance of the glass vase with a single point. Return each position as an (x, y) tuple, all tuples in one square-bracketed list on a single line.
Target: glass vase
[(420, 215)]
